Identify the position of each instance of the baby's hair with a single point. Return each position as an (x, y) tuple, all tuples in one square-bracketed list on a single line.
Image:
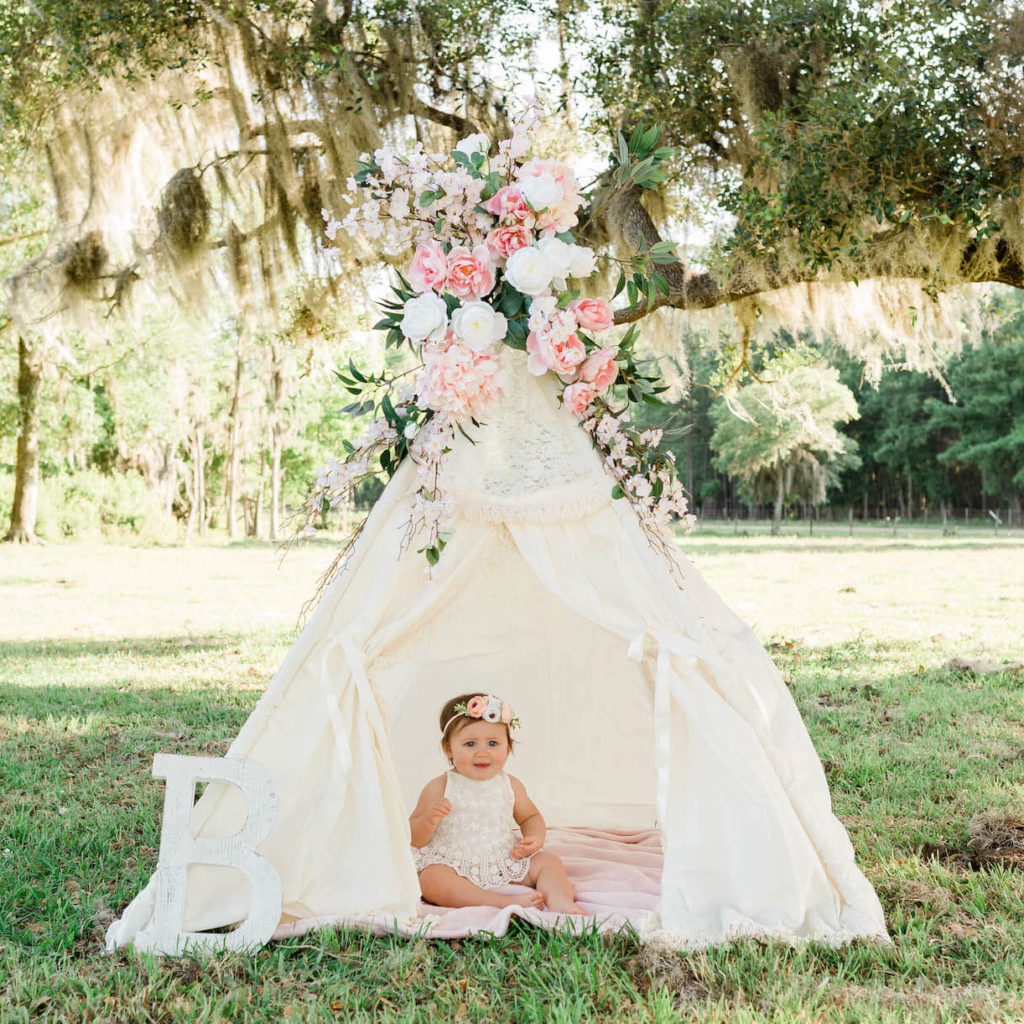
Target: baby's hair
[(448, 713)]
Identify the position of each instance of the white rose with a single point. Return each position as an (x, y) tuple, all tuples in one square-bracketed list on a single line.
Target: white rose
[(425, 317), (479, 325), (541, 190), (582, 262), (471, 144), (558, 254), (528, 270)]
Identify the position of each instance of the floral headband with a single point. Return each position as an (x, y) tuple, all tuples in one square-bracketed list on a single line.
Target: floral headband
[(486, 707)]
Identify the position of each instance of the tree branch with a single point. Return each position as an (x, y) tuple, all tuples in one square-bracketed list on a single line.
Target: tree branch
[(13, 239), (457, 122), (703, 290)]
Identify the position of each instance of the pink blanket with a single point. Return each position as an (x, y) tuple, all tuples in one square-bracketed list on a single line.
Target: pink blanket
[(617, 877)]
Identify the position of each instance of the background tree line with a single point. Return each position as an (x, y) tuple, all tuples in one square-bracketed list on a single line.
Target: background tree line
[(172, 435)]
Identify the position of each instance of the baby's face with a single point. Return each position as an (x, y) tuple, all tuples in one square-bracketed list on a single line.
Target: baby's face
[(479, 750)]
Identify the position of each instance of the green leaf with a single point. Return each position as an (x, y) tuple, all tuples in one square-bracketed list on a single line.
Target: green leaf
[(620, 285), (389, 410), (433, 555), (511, 301), (618, 492), (517, 331), (564, 298), (355, 372)]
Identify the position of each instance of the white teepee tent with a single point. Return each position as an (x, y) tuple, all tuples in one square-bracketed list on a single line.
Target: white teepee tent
[(644, 701)]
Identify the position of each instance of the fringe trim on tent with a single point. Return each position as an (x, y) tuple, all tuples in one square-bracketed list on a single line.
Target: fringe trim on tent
[(652, 933), (490, 512)]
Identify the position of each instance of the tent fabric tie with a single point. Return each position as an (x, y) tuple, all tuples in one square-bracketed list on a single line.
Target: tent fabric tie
[(668, 642)]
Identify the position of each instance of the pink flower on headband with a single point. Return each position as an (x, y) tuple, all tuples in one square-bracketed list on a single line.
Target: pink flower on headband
[(506, 712), (476, 707)]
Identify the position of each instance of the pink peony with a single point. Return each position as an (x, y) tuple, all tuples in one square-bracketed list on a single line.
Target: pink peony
[(456, 380), (509, 205), (576, 397), (593, 314), (546, 352), (506, 712), (429, 267), (504, 241), (476, 706), (563, 216), (600, 369), (470, 272)]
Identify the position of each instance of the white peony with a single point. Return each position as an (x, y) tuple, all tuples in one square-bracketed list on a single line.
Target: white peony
[(558, 254), (528, 271), (541, 190), (582, 262), (476, 143), (479, 325), (425, 318)]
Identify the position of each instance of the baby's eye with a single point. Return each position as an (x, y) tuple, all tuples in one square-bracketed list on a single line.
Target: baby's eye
[(492, 743), (470, 743)]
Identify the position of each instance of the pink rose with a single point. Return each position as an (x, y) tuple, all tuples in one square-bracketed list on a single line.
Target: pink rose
[(470, 272), (476, 707), (506, 712), (509, 205), (545, 352), (600, 369), (429, 267), (593, 314), (502, 242), (576, 397)]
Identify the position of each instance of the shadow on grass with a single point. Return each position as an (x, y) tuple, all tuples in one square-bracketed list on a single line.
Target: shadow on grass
[(114, 705), (143, 647)]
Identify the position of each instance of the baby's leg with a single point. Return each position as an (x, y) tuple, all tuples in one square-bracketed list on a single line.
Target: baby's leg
[(444, 886), (547, 873)]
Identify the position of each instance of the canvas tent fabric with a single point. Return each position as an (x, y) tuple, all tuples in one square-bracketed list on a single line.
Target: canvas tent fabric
[(645, 703)]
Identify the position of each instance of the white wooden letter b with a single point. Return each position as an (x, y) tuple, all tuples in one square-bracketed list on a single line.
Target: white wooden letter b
[(179, 848)]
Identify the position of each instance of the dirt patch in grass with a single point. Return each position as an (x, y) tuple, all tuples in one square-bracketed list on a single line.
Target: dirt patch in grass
[(995, 839), (656, 968)]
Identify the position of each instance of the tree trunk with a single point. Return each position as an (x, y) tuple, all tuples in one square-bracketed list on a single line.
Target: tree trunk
[(780, 497), (231, 463), (688, 442), (26, 478), (276, 444), (261, 492), (200, 469)]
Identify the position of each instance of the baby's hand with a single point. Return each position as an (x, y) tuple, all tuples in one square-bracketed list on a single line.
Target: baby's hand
[(526, 846), (438, 810)]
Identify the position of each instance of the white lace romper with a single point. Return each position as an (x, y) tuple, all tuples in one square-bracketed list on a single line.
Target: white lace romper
[(476, 837)]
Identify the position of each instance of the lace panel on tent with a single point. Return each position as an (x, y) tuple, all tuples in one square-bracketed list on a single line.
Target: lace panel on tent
[(527, 445)]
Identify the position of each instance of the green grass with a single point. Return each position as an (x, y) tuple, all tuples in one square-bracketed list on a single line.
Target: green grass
[(901, 659)]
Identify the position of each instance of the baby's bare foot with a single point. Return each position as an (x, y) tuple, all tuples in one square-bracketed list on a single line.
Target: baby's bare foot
[(526, 898), (566, 907)]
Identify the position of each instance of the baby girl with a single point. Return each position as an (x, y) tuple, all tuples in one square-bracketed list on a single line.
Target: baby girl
[(462, 825)]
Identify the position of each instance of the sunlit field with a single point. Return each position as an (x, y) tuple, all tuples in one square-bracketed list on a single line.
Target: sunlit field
[(903, 653)]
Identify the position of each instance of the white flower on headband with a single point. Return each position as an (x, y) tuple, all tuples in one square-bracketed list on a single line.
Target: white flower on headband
[(487, 707)]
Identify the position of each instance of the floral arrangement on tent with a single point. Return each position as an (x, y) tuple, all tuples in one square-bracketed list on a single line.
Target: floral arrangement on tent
[(496, 264)]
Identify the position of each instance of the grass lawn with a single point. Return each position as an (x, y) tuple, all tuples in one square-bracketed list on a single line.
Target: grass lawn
[(902, 653)]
